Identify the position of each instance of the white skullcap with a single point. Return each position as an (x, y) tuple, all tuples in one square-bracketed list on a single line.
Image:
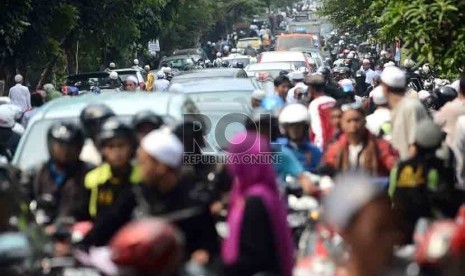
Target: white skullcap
[(112, 65), (423, 95), (7, 116), (136, 61), (18, 78), (378, 96), (164, 146), (393, 77), (147, 67), (389, 64), (366, 61), (113, 75), (258, 94), (160, 75), (166, 70), (133, 79), (177, 88), (48, 87), (352, 192)]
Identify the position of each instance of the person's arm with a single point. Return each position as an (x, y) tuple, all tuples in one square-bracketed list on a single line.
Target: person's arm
[(440, 117), (388, 155)]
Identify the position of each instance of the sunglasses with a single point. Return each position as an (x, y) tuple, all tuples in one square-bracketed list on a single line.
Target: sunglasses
[(351, 106)]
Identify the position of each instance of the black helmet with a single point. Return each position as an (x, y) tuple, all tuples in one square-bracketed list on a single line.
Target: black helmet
[(324, 71), (225, 63), (92, 117), (360, 74), (68, 133), (283, 73), (444, 94), (239, 65), (149, 117), (115, 128), (344, 70)]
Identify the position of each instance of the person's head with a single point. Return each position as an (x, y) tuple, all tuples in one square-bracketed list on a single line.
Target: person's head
[(378, 97), (131, 84), (36, 100), (147, 68), (409, 64), (145, 122), (359, 209), (295, 121), (281, 85), (257, 98), (366, 64), (18, 78), (316, 86), (48, 87), (394, 83), (353, 119), (296, 77), (428, 138), (160, 157), (92, 117), (112, 65), (65, 141), (336, 115), (117, 143), (376, 81), (360, 77)]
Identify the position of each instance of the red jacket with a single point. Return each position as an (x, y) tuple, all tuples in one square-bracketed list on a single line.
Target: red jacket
[(377, 156)]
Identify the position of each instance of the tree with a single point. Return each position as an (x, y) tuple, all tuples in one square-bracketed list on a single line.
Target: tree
[(433, 30)]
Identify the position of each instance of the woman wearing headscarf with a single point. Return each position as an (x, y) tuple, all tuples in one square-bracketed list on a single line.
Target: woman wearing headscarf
[(259, 239)]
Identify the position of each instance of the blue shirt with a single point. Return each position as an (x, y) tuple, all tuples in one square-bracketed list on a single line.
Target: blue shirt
[(307, 154), (289, 165)]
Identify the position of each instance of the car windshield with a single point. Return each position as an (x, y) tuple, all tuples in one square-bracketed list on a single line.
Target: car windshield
[(179, 63), (287, 43), (83, 82)]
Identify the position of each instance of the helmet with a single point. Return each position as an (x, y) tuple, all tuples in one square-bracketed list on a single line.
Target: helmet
[(344, 70), (93, 116), (324, 71), (225, 64), (115, 128), (294, 113), (226, 48), (426, 69), (112, 65), (147, 116), (360, 74), (113, 75), (444, 94), (383, 53), (408, 63), (67, 133), (272, 102), (147, 67), (136, 61), (149, 245), (49, 87), (239, 65)]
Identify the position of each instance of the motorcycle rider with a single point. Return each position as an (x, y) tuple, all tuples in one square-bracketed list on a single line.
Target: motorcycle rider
[(9, 139), (62, 176), (297, 79), (421, 185), (331, 87), (111, 182), (406, 112), (257, 98), (366, 222), (447, 116), (92, 118), (295, 122), (369, 73), (356, 148), (145, 122), (413, 78), (281, 87)]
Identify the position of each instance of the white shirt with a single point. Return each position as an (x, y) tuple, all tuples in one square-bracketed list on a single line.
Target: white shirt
[(377, 119), (354, 152), (370, 74), (161, 85), (320, 118), (20, 96), (459, 151)]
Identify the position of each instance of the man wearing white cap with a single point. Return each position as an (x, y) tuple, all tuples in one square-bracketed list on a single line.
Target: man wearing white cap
[(19, 94), (379, 120), (369, 73), (405, 111), (257, 98), (297, 79), (131, 84), (164, 193), (161, 84)]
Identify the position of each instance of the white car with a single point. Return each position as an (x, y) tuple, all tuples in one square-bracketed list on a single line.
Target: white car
[(297, 58), (272, 68)]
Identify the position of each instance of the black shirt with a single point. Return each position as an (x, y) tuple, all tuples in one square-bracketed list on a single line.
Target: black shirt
[(257, 251)]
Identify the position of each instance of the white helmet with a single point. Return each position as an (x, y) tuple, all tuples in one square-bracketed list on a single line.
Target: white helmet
[(426, 69), (7, 116), (218, 54), (112, 65), (408, 63), (113, 75), (48, 87), (294, 113), (209, 43), (136, 61)]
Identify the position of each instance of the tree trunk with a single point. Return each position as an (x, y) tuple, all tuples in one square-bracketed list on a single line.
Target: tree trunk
[(69, 52), (48, 67)]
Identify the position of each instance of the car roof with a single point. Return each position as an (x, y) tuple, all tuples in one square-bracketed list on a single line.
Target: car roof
[(122, 103), (277, 56), (90, 75), (270, 65), (176, 57), (224, 107), (126, 70), (219, 85), (210, 73)]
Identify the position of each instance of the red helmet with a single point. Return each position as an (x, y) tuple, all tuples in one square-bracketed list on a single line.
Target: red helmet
[(149, 245)]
